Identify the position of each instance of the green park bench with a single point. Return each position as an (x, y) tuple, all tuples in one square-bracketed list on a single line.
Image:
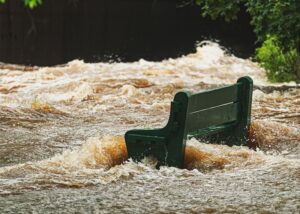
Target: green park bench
[(220, 115)]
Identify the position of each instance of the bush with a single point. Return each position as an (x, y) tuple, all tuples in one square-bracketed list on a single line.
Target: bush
[(280, 17), (281, 65), (280, 53), (276, 17)]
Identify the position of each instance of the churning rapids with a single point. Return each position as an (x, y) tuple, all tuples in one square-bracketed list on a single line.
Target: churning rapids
[(62, 148)]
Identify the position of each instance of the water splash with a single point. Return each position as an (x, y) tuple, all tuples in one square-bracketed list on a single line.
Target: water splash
[(51, 117), (104, 160)]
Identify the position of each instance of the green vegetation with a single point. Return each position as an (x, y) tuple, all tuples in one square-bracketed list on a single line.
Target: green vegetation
[(28, 3), (277, 26), (281, 66)]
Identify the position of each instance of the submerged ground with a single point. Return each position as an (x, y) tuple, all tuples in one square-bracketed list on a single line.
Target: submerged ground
[(62, 146)]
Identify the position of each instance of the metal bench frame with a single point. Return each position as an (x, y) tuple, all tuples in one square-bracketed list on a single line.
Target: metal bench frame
[(220, 115)]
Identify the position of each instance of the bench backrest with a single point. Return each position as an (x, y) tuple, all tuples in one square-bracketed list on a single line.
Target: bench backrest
[(212, 107), (221, 114)]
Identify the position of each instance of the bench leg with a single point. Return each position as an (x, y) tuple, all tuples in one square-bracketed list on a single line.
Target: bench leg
[(141, 143)]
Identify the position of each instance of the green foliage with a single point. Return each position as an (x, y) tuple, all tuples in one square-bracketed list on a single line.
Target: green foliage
[(277, 17), (272, 17), (32, 3), (28, 3), (281, 65), (220, 8), (280, 18)]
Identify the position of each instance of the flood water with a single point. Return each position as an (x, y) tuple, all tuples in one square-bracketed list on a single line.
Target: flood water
[(62, 148)]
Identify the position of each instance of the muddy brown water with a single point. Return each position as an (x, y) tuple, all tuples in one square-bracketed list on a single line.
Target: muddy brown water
[(62, 148)]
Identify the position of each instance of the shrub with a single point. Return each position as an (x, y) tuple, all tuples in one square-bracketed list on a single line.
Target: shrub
[(280, 17), (276, 17), (280, 65), (280, 53)]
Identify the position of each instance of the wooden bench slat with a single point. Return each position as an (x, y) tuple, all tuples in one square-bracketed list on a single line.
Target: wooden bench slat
[(212, 116), (150, 138), (210, 130), (215, 97)]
